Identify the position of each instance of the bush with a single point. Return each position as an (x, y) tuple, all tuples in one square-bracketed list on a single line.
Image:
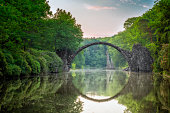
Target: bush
[(25, 68), (54, 62), (13, 70), (9, 58), (3, 64), (49, 62), (35, 52), (43, 64), (35, 65), (26, 63)]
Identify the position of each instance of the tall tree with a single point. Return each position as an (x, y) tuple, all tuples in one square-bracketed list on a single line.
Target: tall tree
[(19, 20), (68, 34)]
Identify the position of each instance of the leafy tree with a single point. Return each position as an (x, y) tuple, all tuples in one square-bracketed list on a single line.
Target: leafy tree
[(69, 34), (19, 21)]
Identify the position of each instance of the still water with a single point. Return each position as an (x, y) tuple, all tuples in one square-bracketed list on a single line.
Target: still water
[(84, 91)]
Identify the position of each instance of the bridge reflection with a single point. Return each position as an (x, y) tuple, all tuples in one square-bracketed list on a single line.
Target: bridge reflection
[(138, 84)]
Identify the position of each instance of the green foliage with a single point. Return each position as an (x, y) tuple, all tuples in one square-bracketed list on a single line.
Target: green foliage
[(32, 62), (9, 58), (35, 65), (38, 56), (3, 62), (69, 33), (60, 32), (91, 57), (73, 66), (30, 24), (79, 60), (13, 70), (18, 20), (43, 63), (164, 56), (54, 63), (21, 61), (48, 60)]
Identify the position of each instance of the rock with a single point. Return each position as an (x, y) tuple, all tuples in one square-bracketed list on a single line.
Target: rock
[(141, 59)]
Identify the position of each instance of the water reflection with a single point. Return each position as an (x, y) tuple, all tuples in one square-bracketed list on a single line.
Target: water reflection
[(99, 82), (37, 95), (85, 91), (134, 86)]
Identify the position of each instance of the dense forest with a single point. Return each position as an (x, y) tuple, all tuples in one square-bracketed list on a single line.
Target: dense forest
[(31, 36)]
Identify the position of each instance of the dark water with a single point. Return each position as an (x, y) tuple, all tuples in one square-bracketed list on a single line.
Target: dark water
[(86, 91)]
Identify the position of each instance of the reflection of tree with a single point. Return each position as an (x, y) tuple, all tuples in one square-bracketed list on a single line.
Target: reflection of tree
[(162, 90), (139, 84), (37, 94), (138, 95), (137, 106), (67, 97), (139, 98)]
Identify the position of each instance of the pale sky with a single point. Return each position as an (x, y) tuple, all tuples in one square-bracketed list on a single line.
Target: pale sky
[(102, 18)]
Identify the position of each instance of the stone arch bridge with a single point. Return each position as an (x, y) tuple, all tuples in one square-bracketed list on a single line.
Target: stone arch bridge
[(139, 59)]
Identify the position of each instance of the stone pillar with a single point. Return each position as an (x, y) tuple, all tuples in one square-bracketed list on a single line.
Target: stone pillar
[(108, 65), (112, 67), (141, 59)]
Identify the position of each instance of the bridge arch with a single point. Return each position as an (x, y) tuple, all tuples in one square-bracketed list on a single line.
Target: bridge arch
[(139, 59), (127, 54)]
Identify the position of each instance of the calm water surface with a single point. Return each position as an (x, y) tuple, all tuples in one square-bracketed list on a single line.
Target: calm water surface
[(83, 91)]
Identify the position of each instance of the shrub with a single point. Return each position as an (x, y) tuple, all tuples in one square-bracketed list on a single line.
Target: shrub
[(16, 70), (48, 63), (9, 70), (13, 70), (35, 52), (9, 58), (25, 68), (3, 64), (54, 62), (43, 64), (35, 65)]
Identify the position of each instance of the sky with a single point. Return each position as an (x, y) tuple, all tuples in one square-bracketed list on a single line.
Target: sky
[(102, 18)]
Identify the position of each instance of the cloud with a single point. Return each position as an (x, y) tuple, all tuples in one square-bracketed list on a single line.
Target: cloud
[(97, 8), (145, 6), (124, 1), (128, 1)]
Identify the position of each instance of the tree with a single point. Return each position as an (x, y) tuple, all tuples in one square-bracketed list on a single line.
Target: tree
[(19, 20), (69, 34)]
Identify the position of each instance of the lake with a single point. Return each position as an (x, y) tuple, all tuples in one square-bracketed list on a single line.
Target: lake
[(84, 91)]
